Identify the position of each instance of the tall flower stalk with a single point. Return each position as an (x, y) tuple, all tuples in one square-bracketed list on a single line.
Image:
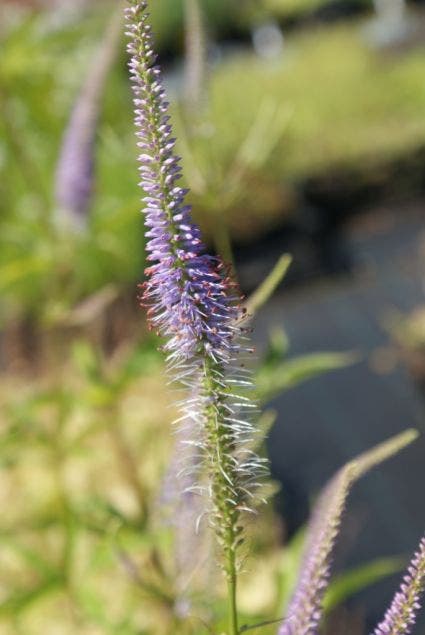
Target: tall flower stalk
[(305, 610), (74, 180), (401, 615), (304, 613), (194, 305)]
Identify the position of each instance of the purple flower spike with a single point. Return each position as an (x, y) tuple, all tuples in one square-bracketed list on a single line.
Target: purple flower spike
[(191, 300), (401, 616), (75, 169), (306, 606), (194, 305)]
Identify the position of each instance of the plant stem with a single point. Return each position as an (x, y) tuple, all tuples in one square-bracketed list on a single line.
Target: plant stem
[(269, 285), (195, 65), (222, 240), (220, 447), (232, 595)]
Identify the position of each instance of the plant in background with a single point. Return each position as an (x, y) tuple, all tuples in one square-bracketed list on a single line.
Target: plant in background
[(219, 183), (75, 170), (196, 50), (221, 180), (401, 616), (47, 270), (305, 610)]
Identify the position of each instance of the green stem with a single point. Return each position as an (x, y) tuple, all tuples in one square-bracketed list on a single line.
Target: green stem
[(222, 240), (269, 285), (222, 473), (232, 595), (195, 64)]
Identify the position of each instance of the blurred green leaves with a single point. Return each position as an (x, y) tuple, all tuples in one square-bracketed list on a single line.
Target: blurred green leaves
[(71, 446), (277, 374), (45, 272), (321, 103), (355, 580)]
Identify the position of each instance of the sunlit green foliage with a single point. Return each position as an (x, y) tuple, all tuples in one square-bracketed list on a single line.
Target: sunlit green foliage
[(340, 93), (85, 544), (320, 105)]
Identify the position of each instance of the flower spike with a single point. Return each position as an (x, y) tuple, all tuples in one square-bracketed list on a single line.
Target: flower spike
[(74, 182), (195, 306), (306, 606), (401, 616)]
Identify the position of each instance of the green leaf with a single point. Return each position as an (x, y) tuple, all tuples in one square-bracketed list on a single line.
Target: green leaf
[(266, 289), (273, 379), (31, 557), (86, 360), (277, 347), (21, 600), (143, 359), (351, 582), (15, 270)]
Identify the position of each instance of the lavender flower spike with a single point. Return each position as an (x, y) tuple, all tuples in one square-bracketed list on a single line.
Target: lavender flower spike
[(75, 169), (194, 305), (401, 616), (191, 300), (306, 606)]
